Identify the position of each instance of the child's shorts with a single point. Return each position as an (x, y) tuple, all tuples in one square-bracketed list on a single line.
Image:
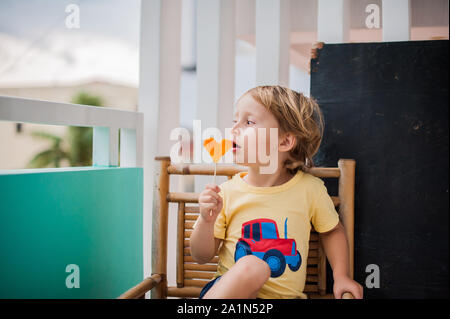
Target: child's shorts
[(207, 287)]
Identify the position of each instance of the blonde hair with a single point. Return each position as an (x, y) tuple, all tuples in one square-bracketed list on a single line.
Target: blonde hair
[(298, 115)]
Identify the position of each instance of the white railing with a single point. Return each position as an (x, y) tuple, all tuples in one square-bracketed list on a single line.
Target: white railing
[(105, 122)]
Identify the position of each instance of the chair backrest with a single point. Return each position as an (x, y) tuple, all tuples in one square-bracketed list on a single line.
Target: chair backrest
[(191, 277)]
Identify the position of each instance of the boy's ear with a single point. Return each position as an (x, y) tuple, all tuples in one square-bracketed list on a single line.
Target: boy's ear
[(287, 142)]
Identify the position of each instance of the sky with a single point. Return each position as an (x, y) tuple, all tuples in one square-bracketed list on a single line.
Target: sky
[(36, 46), (34, 18)]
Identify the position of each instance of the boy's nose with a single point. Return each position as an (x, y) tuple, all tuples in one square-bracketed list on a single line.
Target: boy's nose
[(235, 130)]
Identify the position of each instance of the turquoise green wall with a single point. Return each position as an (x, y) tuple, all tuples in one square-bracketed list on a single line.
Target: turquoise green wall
[(91, 217)]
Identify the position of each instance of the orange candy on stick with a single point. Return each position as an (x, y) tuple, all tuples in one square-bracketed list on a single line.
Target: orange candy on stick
[(216, 150)]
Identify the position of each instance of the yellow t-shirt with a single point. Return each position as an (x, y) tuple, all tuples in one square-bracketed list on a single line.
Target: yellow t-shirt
[(274, 224)]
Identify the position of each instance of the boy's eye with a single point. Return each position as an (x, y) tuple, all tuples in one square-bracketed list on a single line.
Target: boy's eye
[(250, 122)]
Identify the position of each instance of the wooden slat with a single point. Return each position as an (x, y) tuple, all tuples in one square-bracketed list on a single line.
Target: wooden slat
[(183, 292), (311, 270), (347, 207), (140, 289), (188, 274), (195, 283), (312, 278), (189, 224), (160, 226), (190, 217), (188, 259), (312, 261), (231, 170), (180, 245), (202, 169), (325, 172), (206, 267), (314, 237), (183, 197), (192, 209), (311, 288)]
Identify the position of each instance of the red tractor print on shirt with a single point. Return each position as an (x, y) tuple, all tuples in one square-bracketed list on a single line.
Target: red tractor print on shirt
[(260, 238)]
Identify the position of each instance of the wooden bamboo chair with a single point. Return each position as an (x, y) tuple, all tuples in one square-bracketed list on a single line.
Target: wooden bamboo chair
[(191, 277)]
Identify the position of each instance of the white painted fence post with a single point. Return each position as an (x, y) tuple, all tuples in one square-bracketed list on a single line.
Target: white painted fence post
[(131, 145), (128, 148), (272, 42), (396, 20), (159, 93), (105, 144), (189, 34), (215, 63), (333, 21)]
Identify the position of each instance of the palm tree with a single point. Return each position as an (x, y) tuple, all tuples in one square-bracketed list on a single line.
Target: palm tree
[(51, 156), (79, 138)]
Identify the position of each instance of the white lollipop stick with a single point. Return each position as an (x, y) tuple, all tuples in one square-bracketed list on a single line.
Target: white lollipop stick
[(215, 168)]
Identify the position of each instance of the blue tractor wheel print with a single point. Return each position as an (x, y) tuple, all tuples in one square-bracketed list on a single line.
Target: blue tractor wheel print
[(242, 250), (276, 261), (296, 266)]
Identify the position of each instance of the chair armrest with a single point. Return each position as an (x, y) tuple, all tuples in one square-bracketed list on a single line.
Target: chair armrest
[(347, 295), (141, 288)]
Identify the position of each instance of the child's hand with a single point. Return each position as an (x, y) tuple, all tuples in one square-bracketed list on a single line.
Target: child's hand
[(344, 284), (210, 203)]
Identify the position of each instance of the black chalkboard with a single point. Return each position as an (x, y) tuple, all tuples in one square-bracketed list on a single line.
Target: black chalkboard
[(386, 106)]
